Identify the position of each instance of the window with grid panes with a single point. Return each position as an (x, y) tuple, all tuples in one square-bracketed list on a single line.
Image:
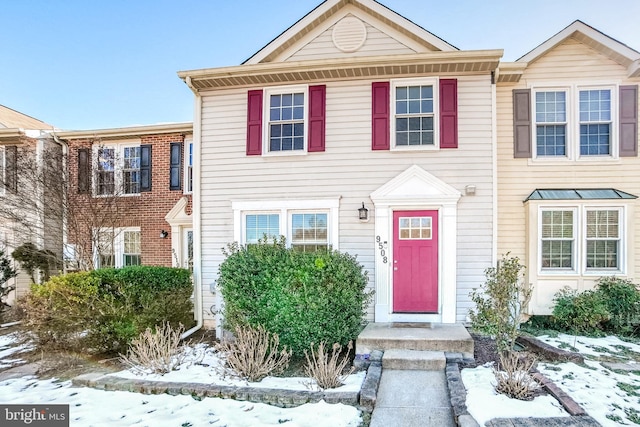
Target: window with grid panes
[(414, 115), (602, 239), (595, 122), (257, 226), (286, 121), (309, 231), (558, 239), (551, 123)]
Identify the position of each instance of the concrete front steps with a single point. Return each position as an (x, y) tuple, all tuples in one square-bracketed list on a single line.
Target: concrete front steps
[(451, 338), (419, 360)]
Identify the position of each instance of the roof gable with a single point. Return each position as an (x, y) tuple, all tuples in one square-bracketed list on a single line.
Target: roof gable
[(332, 12), (585, 34), (13, 119)]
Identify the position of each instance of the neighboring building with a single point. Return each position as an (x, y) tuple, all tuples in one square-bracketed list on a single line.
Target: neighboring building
[(353, 106), (568, 166), (30, 209), (129, 196)]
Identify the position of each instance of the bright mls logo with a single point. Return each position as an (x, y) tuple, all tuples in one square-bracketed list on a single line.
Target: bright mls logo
[(34, 415)]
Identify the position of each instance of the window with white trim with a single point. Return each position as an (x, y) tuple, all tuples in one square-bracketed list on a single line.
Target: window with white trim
[(116, 170), (307, 225), (285, 119), (581, 239), (117, 247), (415, 113), (188, 166), (575, 122)]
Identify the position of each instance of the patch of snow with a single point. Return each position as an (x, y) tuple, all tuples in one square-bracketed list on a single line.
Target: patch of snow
[(208, 368), (484, 403), (591, 346), (90, 407)]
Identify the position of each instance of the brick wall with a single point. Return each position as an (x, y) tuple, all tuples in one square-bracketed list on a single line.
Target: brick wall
[(146, 210)]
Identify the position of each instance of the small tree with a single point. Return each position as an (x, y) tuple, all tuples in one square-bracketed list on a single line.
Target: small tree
[(36, 262), (7, 272), (501, 301)]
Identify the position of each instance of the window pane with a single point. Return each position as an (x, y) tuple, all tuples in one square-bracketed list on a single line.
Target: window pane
[(595, 122), (557, 239), (257, 226), (309, 231), (415, 228), (286, 122), (551, 140), (415, 104)]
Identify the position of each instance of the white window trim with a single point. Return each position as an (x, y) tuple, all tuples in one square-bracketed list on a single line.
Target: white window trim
[(118, 246), (426, 81), (277, 90), (572, 152), (580, 240), (118, 167), (576, 245), (185, 180), (285, 208)]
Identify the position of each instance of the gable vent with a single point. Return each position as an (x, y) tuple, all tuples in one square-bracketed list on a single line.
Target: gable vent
[(349, 34)]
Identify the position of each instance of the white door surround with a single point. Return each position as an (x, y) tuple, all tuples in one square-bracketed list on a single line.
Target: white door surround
[(416, 189)]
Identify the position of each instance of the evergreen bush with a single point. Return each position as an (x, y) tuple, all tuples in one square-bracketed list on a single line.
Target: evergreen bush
[(303, 297)]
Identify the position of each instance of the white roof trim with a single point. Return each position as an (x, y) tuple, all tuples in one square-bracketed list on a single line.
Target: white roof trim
[(415, 184), (581, 27), (178, 214), (326, 6)]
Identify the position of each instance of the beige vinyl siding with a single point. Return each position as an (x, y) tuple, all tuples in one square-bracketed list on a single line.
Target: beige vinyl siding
[(348, 169), (570, 63), (376, 43)]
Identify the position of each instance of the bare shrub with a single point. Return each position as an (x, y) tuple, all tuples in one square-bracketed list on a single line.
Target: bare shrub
[(513, 376), (157, 352), (254, 354), (328, 371)]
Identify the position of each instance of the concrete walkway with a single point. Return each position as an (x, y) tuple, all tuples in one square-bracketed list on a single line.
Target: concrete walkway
[(408, 398)]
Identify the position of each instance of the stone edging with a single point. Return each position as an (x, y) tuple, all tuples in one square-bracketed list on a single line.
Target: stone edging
[(363, 399), (549, 351)]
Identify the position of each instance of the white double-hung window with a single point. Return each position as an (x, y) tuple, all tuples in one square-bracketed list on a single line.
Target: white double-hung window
[(415, 113), (307, 225), (581, 239), (286, 125), (117, 247), (116, 169), (576, 122)]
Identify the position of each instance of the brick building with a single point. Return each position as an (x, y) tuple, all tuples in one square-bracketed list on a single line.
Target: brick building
[(129, 196)]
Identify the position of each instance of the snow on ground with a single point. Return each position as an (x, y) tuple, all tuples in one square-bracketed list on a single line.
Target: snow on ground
[(9, 346), (90, 407), (612, 398), (206, 366), (484, 404)]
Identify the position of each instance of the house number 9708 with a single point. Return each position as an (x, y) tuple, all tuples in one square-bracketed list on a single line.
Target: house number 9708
[(382, 247)]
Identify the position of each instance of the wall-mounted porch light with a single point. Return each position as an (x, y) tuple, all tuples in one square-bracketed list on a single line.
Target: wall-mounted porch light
[(164, 234), (363, 213)]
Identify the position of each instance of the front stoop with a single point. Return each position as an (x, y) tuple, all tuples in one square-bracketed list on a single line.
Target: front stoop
[(440, 337), (414, 360)]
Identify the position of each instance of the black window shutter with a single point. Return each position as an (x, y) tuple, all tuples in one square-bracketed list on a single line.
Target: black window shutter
[(175, 166), (11, 168), (84, 171), (145, 168)]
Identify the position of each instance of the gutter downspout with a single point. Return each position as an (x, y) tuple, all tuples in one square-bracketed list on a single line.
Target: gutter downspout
[(195, 198), (65, 153)]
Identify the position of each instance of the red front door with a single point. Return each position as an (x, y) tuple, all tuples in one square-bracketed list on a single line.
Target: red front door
[(415, 262)]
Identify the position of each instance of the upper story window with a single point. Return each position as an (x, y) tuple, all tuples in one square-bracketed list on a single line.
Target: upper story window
[(117, 170), (415, 113), (574, 123), (286, 120), (415, 117), (595, 122), (551, 123)]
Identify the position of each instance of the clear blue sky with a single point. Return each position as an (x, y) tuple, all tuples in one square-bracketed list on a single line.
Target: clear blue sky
[(91, 64)]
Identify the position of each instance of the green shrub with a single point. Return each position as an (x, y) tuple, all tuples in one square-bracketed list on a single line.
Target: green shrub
[(622, 299), (103, 310), (580, 313), (304, 297), (500, 302)]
